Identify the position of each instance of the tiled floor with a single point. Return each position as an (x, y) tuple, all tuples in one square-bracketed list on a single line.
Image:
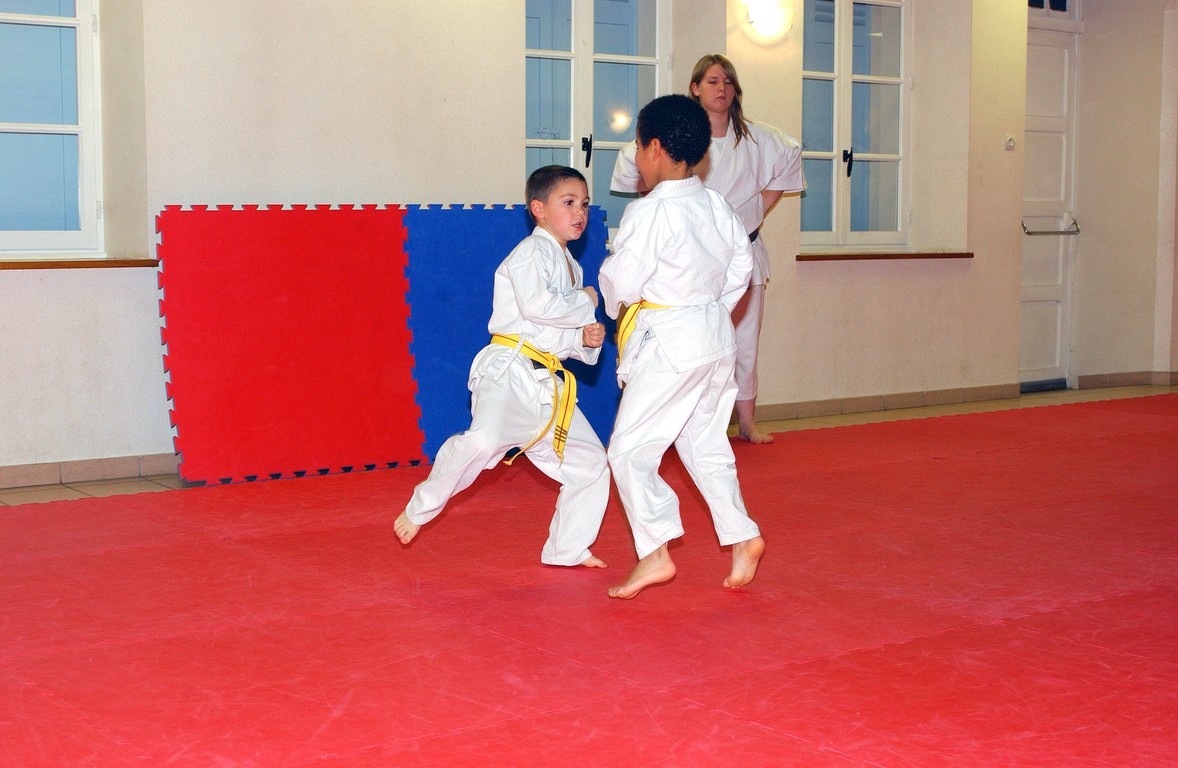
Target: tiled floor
[(89, 489), (100, 488)]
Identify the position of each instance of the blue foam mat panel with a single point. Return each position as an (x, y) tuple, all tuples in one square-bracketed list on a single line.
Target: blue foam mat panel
[(452, 256)]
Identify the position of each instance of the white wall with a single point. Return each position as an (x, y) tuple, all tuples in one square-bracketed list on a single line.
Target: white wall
[(698, 27), (1118, 157), (1165, 354), (81, 366), (353, 101)]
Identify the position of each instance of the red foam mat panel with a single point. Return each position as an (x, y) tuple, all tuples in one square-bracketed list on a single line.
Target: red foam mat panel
[(287, 340)]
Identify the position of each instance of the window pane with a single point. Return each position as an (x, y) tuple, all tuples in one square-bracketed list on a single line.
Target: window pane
[(549, 86), (624, 26), (875, 118), (549, 25), (817, 115), (60, 8), (619, 91), (875, 196), (538, 157), (39, 186), (38, 74), (876, 48), (818, 199), (614, 205), (818, 38)]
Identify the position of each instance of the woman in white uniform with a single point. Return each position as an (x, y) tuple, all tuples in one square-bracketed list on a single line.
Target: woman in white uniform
[(751, 165)]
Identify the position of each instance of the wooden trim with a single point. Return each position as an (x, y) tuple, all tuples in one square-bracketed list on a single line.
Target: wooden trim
[(879, 256), (80, 264)]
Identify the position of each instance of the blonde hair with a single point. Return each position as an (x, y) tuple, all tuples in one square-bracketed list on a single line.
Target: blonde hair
[(735, 111)]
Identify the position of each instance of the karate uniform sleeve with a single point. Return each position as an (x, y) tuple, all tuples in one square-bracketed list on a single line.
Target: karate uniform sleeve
[(739, 271), (626, 177), (625, 273), (587, 355), (542, 297), (740, 268), (787, 174)]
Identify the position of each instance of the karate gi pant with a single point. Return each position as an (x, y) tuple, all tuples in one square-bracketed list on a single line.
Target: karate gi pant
[(689, 410), (747, 317), (509, 405)]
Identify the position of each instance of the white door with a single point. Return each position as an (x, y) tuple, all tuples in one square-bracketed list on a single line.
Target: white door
[(1048, 243)]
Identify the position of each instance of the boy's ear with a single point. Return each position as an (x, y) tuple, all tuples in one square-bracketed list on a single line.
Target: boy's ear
[(536, 208)]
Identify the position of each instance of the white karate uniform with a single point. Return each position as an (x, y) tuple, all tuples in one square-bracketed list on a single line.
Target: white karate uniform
[(680, 246), (537, 296), (767, 159)]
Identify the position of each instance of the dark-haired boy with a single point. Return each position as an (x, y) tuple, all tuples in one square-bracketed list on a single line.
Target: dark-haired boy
[(521, 396), (681, 261)]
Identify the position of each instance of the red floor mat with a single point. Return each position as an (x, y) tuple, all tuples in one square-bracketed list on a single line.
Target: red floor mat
[(990, 590)]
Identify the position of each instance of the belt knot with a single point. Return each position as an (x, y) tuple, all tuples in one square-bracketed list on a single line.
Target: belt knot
[(563, 402)]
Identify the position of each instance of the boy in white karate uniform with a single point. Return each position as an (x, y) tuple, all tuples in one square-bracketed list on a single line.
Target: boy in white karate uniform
[(541, 314), (681, 262), (752, 165)]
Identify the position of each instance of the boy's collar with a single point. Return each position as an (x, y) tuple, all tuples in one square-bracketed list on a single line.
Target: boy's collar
[(541, 230), (677, 185)]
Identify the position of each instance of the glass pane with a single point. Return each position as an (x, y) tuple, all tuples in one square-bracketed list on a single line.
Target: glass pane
[(875, 118), (538, 157), (877, 41), (38, 74), (59, 8), (624, 26), (549, 25), (818, 199), (39, 186), (619, 91), (549, 87), (818, 37), (875, 196), (817, 115), (603, 169)]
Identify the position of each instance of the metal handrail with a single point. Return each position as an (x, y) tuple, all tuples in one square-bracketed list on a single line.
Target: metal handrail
[(1073, 229)]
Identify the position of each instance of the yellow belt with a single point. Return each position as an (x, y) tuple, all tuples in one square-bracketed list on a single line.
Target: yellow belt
[(563, 403), (629, 319)]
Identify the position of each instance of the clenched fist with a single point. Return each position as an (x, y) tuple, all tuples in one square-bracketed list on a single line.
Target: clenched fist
[(593, 335)]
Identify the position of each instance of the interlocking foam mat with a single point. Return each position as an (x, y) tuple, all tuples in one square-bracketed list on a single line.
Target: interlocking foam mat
[(311, 340)]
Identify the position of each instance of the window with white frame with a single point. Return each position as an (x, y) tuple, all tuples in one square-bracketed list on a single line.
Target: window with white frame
[(49, 128), (854, 100), (591, 65), (1046, 14)]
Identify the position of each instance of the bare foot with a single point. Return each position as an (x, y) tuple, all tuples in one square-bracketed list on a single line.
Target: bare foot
[(746, 417), (655, 568), (745, 557), (592, 562), (754, 435), (405, 530)]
